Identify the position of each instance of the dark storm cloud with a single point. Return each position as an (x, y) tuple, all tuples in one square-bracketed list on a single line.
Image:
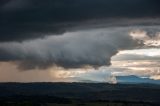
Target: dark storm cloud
[(70, 50), (20, 20)]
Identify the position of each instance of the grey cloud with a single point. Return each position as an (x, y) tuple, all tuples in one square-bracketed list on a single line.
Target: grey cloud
[(70, 50)]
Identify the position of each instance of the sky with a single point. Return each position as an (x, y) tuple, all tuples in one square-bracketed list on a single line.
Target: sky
[(79, 40)]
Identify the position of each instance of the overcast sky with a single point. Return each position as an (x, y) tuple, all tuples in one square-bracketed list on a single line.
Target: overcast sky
[(79, 40)]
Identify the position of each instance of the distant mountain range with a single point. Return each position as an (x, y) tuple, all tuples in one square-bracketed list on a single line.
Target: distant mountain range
[(135, 80), (131, 79)]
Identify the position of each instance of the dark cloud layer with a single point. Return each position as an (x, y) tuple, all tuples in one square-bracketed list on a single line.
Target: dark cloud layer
[(72, 33), (20, 20)]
